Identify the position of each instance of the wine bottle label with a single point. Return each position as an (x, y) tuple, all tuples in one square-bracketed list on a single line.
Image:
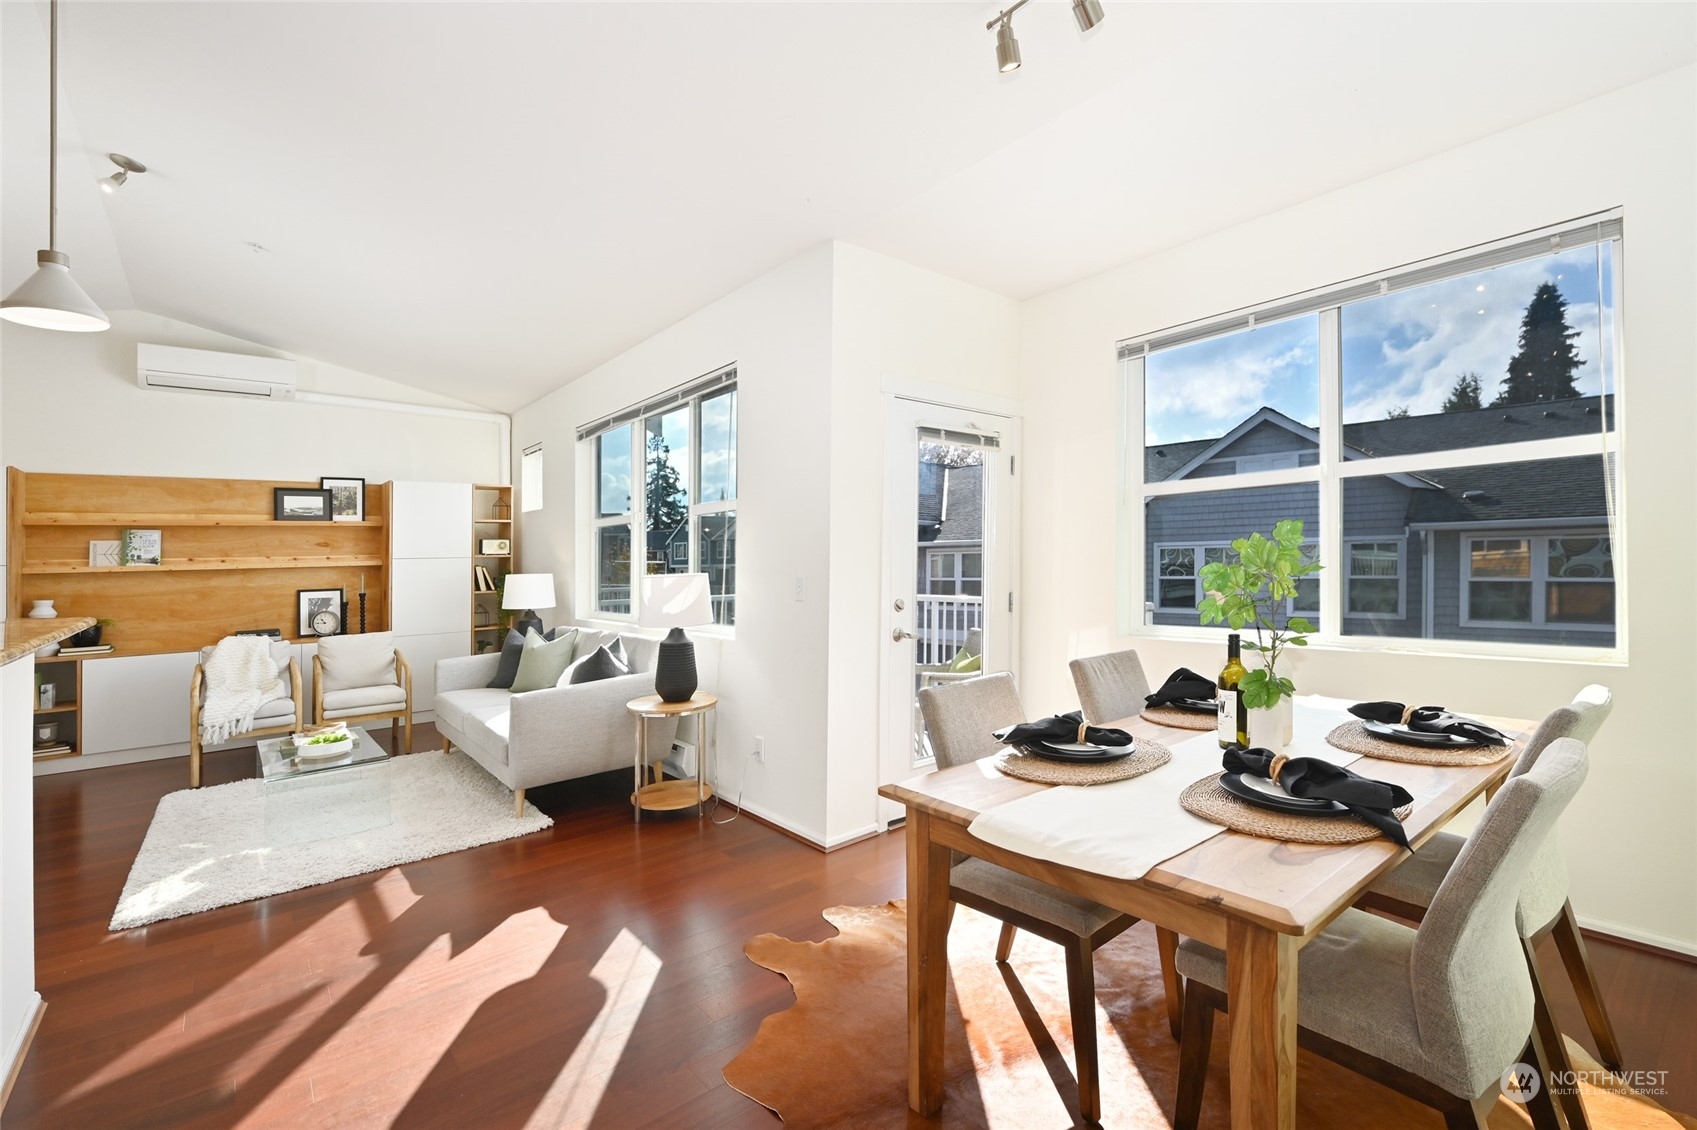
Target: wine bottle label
[(1225, 721)]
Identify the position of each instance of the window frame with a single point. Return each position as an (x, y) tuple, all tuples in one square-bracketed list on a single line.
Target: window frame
[(1400, 543), (635, 518), (1139, 603), (1538, 578)]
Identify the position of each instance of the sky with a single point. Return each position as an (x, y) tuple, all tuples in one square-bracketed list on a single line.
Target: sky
[(1401, 350), (718, 453)]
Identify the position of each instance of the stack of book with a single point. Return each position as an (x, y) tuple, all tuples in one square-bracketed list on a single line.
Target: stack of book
[(52, 747), (92, 649), (485, 582)]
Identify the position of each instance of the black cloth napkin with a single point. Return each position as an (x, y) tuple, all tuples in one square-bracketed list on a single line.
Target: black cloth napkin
[(1183, 683), (1430, 720), (1371, 800), (1061, 728)]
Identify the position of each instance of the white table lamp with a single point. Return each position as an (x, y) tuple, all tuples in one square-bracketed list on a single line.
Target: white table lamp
[(676, 601), (524, 592)]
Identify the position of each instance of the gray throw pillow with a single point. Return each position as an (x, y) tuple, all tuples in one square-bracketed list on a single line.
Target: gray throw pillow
[(602, 664), (511, 651)]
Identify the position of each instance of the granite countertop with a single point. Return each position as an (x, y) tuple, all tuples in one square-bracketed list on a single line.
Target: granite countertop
[(21, 637)]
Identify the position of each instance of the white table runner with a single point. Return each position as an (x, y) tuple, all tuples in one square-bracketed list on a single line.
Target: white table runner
[(1123, 829)]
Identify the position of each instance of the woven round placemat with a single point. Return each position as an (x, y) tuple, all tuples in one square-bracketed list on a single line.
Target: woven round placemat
[(1207, 799), (1179, 719), (1149, 755), (1352, 737)]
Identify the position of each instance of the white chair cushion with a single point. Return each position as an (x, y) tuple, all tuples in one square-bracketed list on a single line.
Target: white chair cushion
[(274, 713), (390, 697), (357, 661)]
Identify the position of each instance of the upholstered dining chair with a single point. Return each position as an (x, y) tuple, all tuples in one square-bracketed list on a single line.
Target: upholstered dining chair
[(1111, 687), (1438, 1013), (362, 678), (1543, 910), (280, 715), (959, 717)]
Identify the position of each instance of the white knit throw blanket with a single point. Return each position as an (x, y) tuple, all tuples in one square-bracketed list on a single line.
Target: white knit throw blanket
[(240, 676)]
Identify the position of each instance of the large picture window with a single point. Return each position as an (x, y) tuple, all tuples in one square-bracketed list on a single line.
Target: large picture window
[(664, 496), (1444, 431)]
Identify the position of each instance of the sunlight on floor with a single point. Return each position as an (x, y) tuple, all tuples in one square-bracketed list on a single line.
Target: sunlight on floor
[(627, 971)]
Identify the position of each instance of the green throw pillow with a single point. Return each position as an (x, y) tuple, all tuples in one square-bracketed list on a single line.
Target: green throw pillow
[(541, 662), (964, 664)]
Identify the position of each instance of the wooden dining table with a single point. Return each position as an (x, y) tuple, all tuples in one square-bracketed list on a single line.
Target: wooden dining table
[(1257, 899)]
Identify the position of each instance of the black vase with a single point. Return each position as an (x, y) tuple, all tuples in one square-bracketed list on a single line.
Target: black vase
[(674, 670), (88, 637)]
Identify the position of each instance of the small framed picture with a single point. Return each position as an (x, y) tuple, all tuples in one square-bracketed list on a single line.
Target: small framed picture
[(300, 504), (319, 612), (494, 547), (347, 499), (140, 547), (105, 554)]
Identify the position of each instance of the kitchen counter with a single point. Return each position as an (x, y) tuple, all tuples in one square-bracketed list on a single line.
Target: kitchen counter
[(19, 638)]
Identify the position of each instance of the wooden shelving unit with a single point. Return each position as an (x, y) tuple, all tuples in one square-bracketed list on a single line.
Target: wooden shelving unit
[(65, 715), (491, 517), (227, 564)]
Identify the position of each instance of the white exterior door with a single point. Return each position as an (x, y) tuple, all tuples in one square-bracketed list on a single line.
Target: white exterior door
[(951, 507)]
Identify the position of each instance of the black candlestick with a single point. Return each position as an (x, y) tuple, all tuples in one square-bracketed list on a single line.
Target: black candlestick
[(362, 613)]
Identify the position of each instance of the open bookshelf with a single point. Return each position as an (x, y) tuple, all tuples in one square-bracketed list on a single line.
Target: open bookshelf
[(491, 520)]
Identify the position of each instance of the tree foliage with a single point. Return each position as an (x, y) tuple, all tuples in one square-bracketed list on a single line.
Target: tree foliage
[(666, 502), (1464, 395), (1252, 591), (1543, 367), (1400, 412)]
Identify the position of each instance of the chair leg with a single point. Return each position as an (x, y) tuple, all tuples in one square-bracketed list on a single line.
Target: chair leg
[(1542, 1106), (1555, 1050), (1004, 944), (408, 723), (1081, 994), (1467, 1116), (1168, 943), (194, 760), (1578, 964), (1198, 1031), (518, 803)]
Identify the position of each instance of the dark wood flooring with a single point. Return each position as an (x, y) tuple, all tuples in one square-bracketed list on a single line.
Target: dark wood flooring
[(590, 975)]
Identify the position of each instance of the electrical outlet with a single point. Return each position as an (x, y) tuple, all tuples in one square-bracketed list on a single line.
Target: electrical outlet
[(760, 749)]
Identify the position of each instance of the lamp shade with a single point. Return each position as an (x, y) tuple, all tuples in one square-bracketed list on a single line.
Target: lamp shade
[(50, 299), (528, 590), (675, 600)]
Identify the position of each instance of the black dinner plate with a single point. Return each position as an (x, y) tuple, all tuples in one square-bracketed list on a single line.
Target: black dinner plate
[(1279, 802), (1195, 705), (1072, 751), (1416, 737)]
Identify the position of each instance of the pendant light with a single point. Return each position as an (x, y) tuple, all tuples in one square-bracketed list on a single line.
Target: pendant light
[(50, 299)]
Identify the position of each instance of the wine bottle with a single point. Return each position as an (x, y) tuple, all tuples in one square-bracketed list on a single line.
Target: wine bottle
[(1232, 726)]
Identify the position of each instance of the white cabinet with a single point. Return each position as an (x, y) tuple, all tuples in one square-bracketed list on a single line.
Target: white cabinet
[(431, 595), (430, 578), (136, 701), (429, 520)]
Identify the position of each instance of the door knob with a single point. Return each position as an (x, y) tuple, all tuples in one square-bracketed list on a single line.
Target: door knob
[(897, 635)]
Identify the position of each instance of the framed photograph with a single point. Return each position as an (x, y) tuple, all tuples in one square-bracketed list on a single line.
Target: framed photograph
[(347, 499), (300, 504), (105, 554), (140, 547), (319, 612), (494, 547)]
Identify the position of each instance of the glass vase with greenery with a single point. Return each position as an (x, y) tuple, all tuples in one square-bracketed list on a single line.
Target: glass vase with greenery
[(1251, 592)]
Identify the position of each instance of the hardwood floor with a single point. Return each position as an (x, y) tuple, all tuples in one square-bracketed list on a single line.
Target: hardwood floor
[(590, 975)]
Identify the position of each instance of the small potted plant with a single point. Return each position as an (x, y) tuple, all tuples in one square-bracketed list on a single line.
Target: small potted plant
[(1251, 592)]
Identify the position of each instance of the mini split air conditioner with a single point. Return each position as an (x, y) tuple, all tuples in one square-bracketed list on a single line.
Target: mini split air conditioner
[(224, 374)]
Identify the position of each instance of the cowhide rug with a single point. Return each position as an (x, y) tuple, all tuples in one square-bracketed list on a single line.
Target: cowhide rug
[(838, 1057)]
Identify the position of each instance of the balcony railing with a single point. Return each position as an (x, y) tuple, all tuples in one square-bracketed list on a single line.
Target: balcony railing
[(942, 623)]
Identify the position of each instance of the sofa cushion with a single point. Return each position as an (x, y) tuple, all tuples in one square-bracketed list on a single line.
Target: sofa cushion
[(511, 649), (588, 639), (357, 661), (640, 652), (599, 664), (489, 733), (365, 699), (458, 708), (541, 662)]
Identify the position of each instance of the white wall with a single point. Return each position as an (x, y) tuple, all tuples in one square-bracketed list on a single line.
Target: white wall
[(18, 998), (894, 326), (771, 675), (1631, 839), (73, 405)]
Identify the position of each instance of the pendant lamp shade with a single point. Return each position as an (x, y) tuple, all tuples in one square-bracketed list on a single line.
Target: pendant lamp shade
[(50, 299)]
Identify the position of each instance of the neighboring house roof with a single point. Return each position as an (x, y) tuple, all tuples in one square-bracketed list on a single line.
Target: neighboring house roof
[(1482, 427), (951, 503), (1537, 490)]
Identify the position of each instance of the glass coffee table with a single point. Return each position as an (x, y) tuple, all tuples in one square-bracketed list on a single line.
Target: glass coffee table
[(308, 798)]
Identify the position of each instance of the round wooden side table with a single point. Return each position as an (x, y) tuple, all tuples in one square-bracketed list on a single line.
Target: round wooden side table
[(668, 796)]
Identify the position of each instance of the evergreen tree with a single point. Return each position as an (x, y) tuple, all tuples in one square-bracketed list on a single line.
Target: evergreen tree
[(1400, 412), (665, 499), (1543, 368), (1464, 397)]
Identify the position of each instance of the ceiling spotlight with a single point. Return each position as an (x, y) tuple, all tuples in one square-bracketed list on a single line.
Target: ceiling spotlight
[(1007, 48), (126, 166), (1087, 12)]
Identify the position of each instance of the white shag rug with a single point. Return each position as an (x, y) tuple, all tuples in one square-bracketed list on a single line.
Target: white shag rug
[(231, 843)]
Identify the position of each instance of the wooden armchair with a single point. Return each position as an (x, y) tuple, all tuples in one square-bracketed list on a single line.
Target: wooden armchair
[(362, 678), (280, 715)]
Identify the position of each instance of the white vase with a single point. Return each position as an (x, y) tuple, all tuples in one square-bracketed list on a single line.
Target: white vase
[(42, 610), (1287, 707), (1267, 727)]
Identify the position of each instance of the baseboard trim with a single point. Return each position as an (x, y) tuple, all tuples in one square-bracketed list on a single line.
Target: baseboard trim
[(777, 824), (15, 1067), (1644, 940)]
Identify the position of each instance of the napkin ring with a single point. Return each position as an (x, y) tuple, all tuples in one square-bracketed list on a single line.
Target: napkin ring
[(1082, 726), (1407, 713), (1277, 767)]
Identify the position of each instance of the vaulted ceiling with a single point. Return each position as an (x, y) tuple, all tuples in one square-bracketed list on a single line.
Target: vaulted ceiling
[(486, 200)]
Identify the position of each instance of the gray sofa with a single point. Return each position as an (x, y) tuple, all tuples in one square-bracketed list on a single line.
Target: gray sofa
[(555, 734)]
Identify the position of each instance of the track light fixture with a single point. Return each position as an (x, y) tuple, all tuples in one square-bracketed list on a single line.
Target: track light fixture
[(126, 166), (1088, 13)]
